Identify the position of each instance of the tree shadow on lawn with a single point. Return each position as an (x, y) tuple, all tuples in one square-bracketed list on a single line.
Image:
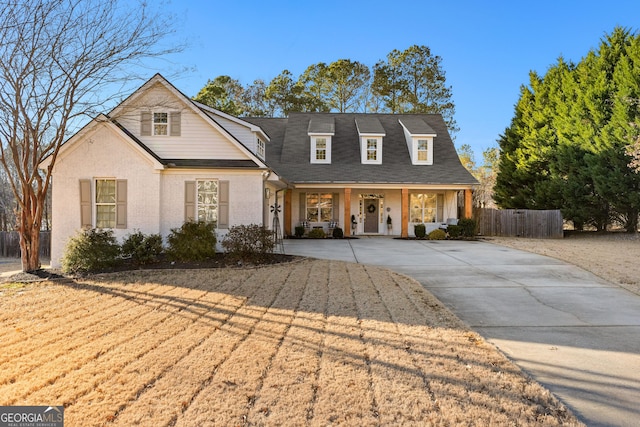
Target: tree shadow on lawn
[(349, 315)]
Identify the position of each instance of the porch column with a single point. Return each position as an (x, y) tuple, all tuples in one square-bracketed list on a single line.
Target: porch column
[(347, 211), (287, 212), (405, 213), (468, 203)]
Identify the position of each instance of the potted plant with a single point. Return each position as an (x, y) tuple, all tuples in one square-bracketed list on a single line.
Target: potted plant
[(389, 224)]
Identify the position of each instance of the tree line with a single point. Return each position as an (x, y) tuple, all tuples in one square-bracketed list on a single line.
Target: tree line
[(572, 140), (409, 81)]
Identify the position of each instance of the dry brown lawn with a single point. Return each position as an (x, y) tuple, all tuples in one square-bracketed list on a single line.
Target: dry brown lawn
[(612, 256), (307, 343)]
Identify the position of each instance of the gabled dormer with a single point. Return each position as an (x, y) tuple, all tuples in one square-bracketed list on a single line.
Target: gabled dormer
[(320, 131), (419, 137), (371, 134)]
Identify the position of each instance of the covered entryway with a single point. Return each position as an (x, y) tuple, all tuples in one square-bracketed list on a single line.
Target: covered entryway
[(371, 206)]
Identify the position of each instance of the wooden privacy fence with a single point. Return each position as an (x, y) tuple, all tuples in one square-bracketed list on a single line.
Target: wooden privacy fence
[(10, 244), (535, 224)]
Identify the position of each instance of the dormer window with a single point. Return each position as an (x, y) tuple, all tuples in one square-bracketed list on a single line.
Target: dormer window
[(371, 134), (321, 149), (419, 137), (320, 131), (260, 148), (423, 150), (371, 150)]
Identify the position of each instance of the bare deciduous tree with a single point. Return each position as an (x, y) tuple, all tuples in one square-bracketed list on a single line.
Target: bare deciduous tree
[(56, 59)]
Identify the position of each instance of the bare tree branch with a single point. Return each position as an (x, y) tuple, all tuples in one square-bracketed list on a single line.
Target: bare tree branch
[(60, 62)]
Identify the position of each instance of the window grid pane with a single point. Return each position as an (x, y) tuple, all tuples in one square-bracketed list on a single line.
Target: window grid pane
[(423, 208), (372, 149), (319, 207), (423, 150), (321, 149), (105, 203), (207, 197), (160, 123)]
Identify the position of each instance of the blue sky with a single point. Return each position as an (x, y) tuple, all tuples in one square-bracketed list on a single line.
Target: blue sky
[(487, 47)]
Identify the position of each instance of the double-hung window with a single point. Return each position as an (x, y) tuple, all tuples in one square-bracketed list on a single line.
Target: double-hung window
[(207, 197), (423, 150), (160, 123), (260, 148), (320, 149), (372, 149), (105, 203)]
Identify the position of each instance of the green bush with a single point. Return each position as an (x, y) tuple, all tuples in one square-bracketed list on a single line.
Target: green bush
[(468, 227), (249, 243), (317, 233), (420, 230), (90, 250), (194, 241), (337, 233), (299, 231), (437, 234), (142, 249), (454, 231)]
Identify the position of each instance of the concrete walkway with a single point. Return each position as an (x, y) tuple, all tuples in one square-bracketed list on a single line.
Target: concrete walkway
[(570, 330)]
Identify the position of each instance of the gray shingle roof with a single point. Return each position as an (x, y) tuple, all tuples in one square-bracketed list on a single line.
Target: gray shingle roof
[(416, 126), (324, 124), (288, 152), (369, 125)]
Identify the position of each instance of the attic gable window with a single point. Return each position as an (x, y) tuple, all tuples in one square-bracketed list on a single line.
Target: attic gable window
[(160, 123)]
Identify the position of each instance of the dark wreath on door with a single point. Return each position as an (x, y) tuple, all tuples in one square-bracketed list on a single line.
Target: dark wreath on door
[(371, 216)]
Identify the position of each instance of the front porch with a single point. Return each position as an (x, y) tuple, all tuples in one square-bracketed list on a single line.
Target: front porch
[(373, 211)]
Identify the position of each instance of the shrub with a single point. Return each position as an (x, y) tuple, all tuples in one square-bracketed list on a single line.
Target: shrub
[(468, 227), (249, 243), (454, 231), (194, 241), (90, 250), (420, 231), (337, 233), (317, 233), (142, 249), (299, 231), (437, 234)]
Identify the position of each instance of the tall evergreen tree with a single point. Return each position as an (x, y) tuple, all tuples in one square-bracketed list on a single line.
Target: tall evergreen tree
[(567, 146)]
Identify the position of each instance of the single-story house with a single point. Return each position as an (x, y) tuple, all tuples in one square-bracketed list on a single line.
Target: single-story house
[(159, 159)]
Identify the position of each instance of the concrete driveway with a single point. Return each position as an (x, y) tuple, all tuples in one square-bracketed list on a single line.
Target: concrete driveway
[(577, 334)]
